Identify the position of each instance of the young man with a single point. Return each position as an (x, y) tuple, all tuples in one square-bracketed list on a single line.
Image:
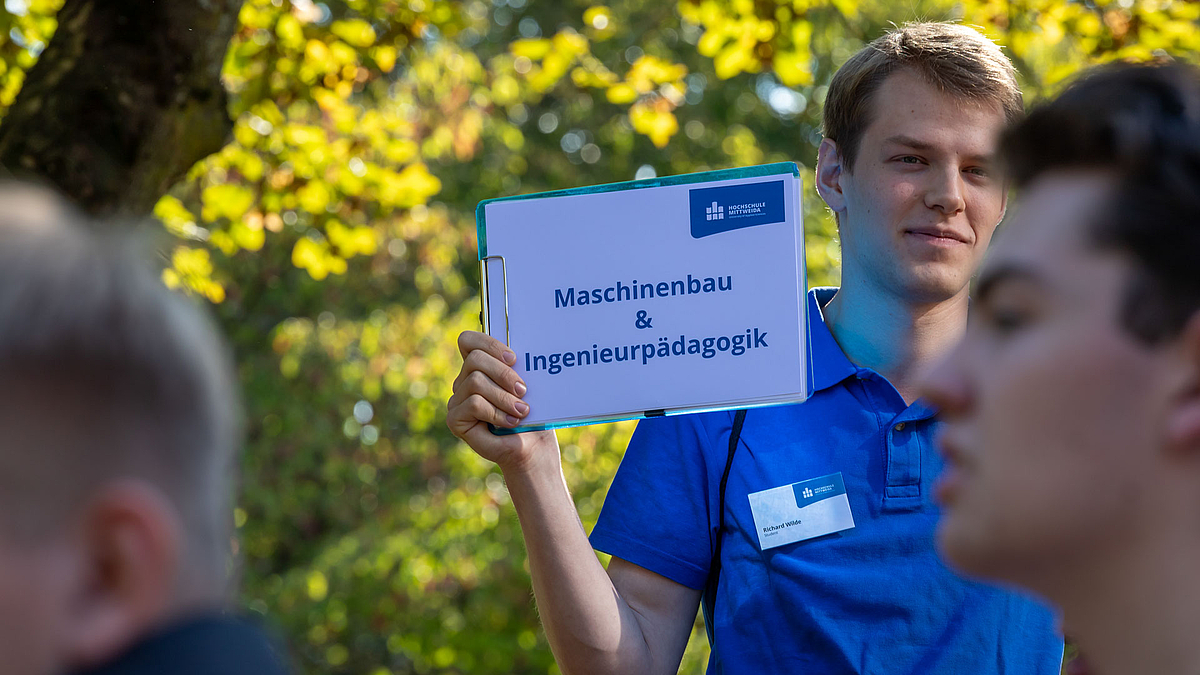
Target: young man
[(910, 125), (118, 414), (1073, 403)]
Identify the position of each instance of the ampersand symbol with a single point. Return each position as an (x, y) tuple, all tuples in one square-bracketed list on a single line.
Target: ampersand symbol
[(641, 321)]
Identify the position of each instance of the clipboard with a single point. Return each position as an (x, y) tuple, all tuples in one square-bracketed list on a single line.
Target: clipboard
[(652, 297)]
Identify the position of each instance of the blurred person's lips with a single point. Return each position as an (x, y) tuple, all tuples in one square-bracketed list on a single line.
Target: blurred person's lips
[(950, 483)]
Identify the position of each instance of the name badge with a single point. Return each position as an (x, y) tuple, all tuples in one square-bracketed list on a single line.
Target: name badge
[(800, 511)]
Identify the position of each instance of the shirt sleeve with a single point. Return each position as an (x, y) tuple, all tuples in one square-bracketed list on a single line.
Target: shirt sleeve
[(659, 512)]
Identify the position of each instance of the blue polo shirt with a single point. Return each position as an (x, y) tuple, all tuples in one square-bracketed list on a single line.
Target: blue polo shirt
[(873, 599)]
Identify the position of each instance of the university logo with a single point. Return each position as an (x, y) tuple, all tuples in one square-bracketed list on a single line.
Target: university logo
[(714, 212), (808, 493)]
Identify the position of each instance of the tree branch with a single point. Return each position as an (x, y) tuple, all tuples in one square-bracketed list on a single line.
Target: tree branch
[(126, 97)]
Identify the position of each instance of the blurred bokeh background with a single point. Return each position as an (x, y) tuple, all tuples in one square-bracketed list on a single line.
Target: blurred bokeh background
[(334, 236)]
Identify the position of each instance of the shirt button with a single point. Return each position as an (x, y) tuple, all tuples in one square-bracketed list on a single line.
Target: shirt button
[(899, 427)]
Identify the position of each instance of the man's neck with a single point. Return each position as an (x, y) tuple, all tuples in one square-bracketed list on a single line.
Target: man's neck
[(896, 339), (1138, 612)]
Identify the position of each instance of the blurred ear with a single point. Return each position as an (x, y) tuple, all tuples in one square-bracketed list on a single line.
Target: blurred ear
[(131, 544), (829, 175), (1183, 419)]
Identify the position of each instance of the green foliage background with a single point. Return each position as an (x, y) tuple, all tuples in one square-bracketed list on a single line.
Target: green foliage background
[(334, 237)]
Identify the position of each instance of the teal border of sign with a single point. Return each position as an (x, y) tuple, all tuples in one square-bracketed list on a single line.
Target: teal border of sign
[(701, 177), (774, 169)]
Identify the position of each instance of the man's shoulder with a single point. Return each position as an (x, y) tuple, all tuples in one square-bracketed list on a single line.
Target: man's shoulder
[(202, 645)]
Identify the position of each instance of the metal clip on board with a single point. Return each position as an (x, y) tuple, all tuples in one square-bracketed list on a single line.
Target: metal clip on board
[(485, 296)]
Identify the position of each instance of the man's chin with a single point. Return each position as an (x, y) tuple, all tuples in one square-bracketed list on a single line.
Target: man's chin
[(933, 283), (961, 546)]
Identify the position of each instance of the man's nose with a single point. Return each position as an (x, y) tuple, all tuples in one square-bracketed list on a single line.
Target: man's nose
[(946, 385), (946, 191)]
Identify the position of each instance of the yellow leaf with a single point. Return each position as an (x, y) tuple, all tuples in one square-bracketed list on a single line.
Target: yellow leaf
[(600, 20), (793, 69), (290, 32), (586, 77), (569, 43), (531, 48), (412, 186), (505, 90), (318, 586), (711, 42), (313, 197), (659, 125), (385, 57), (226, 201), (174, 215), (317, 53), (313, 257), (352, 241), (732, 60), (249, 238), (355, 31), (621, 94)]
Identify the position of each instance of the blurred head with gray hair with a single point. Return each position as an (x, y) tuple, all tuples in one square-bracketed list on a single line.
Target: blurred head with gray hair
[(118, 429)]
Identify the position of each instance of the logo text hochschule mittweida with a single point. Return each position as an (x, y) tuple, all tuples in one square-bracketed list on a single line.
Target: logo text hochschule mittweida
[(732, 207)]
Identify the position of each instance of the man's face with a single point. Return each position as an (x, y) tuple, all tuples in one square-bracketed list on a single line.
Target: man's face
[(1052, 410), (35, 556), (922, 200), (32, 605)]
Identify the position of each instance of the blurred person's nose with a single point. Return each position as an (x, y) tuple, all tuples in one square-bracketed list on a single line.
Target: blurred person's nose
[(947, 386)]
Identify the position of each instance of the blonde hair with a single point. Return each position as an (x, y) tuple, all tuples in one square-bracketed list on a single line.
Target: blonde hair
[(956, 59)]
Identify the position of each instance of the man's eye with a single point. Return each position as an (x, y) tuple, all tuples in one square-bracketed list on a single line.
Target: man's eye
[(1007, 320), (909, 159), (979, 172)]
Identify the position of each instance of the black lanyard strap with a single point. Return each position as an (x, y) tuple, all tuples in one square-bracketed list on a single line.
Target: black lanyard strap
[(714, 567)]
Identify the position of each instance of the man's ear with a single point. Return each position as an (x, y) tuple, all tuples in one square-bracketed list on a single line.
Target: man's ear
[(131, 542), (1183, 419), (829, 175)]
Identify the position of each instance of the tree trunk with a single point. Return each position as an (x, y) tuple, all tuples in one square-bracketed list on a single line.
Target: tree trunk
[(126, 97)]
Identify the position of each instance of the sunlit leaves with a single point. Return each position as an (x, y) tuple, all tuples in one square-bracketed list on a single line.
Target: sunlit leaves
[(534, 49), (600, 22), (355, 32), (336, 234), (192, 268), (226, 201), (25, 29), (314, 255), (654, 120)]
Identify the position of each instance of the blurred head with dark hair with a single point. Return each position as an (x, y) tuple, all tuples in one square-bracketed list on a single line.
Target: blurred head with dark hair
[(118, 419), (1072, 406)]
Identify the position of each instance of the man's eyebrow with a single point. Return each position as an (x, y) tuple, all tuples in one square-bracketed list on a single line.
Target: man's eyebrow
[(909, 141), (990, 277), (925, 146)]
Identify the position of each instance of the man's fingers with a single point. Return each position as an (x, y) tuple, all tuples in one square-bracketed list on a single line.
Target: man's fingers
[(484, 410), (479, 361), (477, 389), (478, 383), (470, 340), (467, 412)]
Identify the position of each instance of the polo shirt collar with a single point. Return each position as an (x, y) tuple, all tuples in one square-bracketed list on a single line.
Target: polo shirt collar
[(828, 365)]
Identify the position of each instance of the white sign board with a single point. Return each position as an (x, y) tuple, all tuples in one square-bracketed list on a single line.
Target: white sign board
[(651, 297)]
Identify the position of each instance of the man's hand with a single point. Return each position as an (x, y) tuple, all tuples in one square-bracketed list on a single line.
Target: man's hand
[(488, 390)]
